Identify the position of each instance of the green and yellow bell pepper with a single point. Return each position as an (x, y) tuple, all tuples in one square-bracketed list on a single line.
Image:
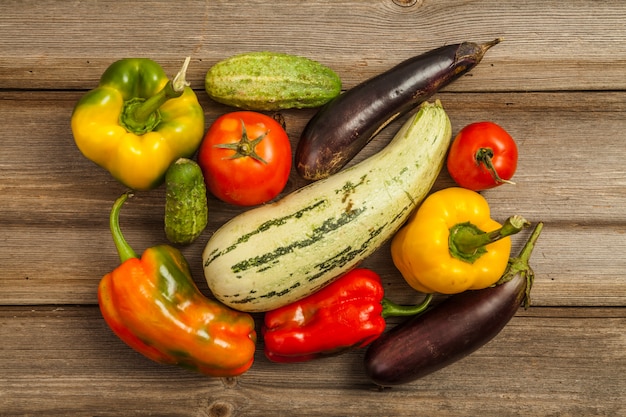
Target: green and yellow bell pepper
[(137, 122), (451, 244)]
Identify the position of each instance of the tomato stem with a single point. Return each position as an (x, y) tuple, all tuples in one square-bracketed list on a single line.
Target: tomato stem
[(245, 146), (484, 156)]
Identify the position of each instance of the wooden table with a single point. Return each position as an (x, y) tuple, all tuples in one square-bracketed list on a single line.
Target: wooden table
[(557, 83)]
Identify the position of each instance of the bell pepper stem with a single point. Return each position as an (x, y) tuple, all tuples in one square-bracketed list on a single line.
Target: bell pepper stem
[(123, 248), (391, 309), (142, 115), (467, 242)]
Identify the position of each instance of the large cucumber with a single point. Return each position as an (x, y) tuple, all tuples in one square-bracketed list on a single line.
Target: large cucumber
[(276, 254), (271, 81), (186, 210)]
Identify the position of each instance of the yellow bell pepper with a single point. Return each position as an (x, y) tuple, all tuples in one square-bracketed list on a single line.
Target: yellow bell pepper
[(450, 243), (137, 122)]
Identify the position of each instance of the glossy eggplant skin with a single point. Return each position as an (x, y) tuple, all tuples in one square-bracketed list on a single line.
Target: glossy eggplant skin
[(342, 127), (451, 330)]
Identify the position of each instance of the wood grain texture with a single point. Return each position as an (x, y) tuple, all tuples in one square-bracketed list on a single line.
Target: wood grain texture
[(534, 359), (69, 44), (556, 84), (53, 188)]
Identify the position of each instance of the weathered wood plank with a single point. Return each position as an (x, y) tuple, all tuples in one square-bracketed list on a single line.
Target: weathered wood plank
[(65, 361), (55, 203), (556, 83), (48, 269), (58, 45)]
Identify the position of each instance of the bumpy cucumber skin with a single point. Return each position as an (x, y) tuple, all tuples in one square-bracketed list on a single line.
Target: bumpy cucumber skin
[(186, 209), (271, 81)]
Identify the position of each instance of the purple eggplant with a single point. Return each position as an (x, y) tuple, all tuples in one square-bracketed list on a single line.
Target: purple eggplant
[(342, 127), (453, 329)]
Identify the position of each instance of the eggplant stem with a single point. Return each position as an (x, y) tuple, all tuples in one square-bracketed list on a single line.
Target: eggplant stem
[(521, 265), (485, 46)]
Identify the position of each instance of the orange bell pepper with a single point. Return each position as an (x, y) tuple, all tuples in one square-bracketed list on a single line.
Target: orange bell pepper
[(154, 306)]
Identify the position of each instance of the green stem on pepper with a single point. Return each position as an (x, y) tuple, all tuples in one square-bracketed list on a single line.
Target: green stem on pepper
[(142, 115), (123, 248), (467, 242), (391, 309)]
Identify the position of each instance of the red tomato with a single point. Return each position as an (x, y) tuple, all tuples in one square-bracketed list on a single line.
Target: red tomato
[(245, 158), (483, 155)]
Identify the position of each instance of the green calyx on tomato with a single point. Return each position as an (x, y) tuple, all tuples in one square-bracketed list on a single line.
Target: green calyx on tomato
[(245, 147), (482, 155), (243, 171)]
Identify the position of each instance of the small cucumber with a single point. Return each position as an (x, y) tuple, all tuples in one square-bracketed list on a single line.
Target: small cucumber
[(270, 81), (186, 210)]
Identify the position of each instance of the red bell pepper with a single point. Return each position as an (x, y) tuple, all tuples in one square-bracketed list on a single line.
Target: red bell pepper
[(349, 313)]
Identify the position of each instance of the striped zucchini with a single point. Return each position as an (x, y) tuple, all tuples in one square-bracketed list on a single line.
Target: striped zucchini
[(278, 253)]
